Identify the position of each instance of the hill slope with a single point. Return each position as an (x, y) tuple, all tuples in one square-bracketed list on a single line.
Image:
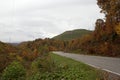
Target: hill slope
[(6, 52), (6, 48), (69, 35)]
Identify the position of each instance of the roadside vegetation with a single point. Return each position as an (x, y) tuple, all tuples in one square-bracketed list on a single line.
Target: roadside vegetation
[(31, 60), (65, 69), (50, 67)]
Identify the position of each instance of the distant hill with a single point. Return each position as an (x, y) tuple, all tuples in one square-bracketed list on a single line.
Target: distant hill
[(14, 44), (6, 48), (69, 35)]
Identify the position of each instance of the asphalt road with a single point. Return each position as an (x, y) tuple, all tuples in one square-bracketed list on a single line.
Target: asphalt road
[(108, 64)]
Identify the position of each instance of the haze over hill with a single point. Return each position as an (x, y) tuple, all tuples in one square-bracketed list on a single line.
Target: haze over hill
[(73, 34)]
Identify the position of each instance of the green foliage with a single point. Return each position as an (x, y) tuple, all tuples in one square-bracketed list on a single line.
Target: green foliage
[(70, 35), (43, 64), (65, 69), (15, 71), (43, 49)]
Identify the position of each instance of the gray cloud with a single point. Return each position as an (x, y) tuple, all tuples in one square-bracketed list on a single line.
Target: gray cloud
[(29, 19)]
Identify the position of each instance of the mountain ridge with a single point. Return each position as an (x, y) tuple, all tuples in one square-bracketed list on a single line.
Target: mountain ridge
[(72, 34)]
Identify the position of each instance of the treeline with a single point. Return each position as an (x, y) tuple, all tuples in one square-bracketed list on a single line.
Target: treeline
[(32, 49), (6, 52), (105, 40)]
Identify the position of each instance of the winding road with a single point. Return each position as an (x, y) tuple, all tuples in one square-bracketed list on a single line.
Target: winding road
[(108, 64)]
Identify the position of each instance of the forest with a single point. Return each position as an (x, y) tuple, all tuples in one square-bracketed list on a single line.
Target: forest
[(17, 62)]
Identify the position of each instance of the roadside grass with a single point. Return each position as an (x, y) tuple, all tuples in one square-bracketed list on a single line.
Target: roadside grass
[(55, 67), (74, 70)]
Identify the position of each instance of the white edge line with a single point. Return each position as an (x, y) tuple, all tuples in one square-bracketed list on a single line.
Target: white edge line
[(104, 69), (111, 72), (96, 66)]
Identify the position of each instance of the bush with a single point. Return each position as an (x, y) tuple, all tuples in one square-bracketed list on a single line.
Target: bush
[(15, 71), (42, 69), (43, 64)]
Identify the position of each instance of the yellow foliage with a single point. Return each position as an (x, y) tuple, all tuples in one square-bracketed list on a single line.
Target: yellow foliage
[(19, 58), (117, 29)]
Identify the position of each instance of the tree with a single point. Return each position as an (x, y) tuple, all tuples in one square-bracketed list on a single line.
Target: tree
[(111, 9)]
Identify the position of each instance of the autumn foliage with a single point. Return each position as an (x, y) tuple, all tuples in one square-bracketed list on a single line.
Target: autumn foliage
[(104, 40), (6, 55)]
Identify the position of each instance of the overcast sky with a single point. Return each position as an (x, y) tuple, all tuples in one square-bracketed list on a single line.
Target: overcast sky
[(22, 20)]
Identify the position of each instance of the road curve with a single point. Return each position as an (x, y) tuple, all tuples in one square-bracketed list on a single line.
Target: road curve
[(109, 64)]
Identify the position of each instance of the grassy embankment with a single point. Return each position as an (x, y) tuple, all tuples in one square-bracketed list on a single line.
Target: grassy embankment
[(73, 70)]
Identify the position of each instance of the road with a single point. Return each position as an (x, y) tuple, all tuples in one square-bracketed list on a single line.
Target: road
[(108, 64)]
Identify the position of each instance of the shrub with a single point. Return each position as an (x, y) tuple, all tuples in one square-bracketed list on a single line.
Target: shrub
[(15, 71), (43, 64)]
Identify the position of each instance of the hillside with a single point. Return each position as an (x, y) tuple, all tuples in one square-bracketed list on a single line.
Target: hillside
[(6, 52), (69, 35), (6, 48)]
